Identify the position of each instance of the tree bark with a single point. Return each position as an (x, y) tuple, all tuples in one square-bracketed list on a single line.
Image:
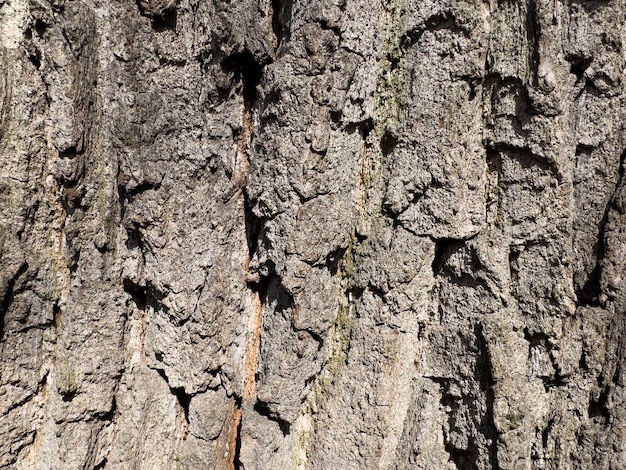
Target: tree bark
[(325, 234)]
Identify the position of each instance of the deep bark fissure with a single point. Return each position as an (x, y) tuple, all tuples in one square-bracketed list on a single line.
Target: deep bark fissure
[(161, 19), (237, 450), (598, 407), (248, 70), (281, 17), (9, 296), (533, 33), (145, 296), (589, 294), (579, 65), (484, 376), (183, 399), (444, 248), (263, 409), (165, 21)]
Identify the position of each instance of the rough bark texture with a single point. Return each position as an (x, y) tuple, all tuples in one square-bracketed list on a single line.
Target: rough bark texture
[(325, 234)]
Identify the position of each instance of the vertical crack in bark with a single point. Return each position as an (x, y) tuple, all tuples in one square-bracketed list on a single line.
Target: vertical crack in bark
[(42, 392), (281, 15), (228, 442), (533, 33), (7, 300), (183, 399), (591, 293), (182, 416), (484, 375), (249, 71)]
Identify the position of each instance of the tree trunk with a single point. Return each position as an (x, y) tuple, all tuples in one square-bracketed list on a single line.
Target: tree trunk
[(322, 234)]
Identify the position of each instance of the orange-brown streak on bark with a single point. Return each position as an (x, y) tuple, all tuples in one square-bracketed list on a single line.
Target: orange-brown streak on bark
[(226, 445), (254, 348)]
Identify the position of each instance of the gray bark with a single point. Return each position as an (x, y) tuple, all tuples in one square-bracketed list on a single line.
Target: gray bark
[(325, 234)]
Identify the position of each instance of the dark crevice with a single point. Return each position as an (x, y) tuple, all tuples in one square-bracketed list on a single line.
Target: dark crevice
[(545, 433), (145, 296), (277, 295), (364, 128), (183, 398), (57, 315), (334, 258), (70, 152), (9, 295), (254, 226), (463, 459), (128, 194), (237, 455), (514, 253), (444, 248), (582, 362), (137, 294), (473, 83), (313, 335), (101, 465), (470, 275), (552, 382), (68, 396), (264, 410), (134, 240), (356, 292), (172, 62), (165, 21), (328, 27), (578, 65), (40, 27), (35, 58), (254, 238), (535, 338), (281, 18), (582, 149), (108, 415), (246, 68), (484, 376), (598, 409), (590, 5), (388, 143), (261, 287), (533, 33), (336, 118), (589, 294), (375, 290)]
